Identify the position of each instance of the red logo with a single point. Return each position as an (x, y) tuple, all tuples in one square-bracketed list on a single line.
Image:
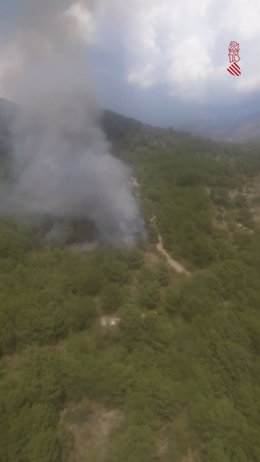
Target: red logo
[(234, 69), (233, 54)]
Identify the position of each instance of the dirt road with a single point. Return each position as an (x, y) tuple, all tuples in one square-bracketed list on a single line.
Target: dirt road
[(178, 267)]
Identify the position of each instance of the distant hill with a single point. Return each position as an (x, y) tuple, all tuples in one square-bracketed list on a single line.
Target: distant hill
[(126, 130), (242, 130), (246, 129), (119, 128)]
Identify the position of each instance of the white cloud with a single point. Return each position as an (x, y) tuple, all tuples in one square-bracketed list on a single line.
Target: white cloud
[(178, 44), (142, 77), (189, 64), (182, 44)]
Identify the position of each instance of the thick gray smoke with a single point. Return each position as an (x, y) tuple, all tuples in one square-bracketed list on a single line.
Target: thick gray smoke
[(63, 166)]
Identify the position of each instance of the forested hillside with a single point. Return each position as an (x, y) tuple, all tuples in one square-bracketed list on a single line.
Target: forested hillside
[(112, 355)]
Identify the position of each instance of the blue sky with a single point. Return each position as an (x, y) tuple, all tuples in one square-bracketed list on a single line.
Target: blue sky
[(163, 61)]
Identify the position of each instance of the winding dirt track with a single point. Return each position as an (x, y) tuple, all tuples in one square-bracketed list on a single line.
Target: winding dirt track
[(178, 267)]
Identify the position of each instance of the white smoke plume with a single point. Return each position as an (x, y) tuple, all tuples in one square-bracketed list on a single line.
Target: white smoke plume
[(63, 164)]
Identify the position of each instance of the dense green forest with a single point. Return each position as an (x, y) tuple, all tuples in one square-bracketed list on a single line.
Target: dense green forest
[(112, 355)]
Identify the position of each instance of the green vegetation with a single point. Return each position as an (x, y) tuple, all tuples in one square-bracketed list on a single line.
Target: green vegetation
[(177, 378)]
